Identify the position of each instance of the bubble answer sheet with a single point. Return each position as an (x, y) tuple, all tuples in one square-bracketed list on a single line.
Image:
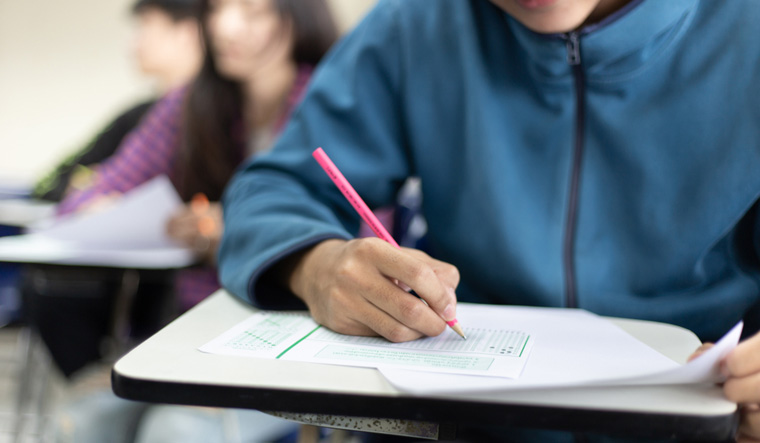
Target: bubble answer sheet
[(507, 347), (490, 349)]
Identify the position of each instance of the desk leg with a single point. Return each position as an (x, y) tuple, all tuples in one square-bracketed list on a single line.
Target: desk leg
[(407, 428), (122, 310)]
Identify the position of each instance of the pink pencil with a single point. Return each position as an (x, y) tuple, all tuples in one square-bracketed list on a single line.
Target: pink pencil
[(366, 214)]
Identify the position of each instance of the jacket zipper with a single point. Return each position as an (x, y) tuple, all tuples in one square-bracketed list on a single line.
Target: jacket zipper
[(572, 43)]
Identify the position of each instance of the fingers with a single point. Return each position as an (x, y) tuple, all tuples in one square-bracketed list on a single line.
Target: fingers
[(420, 275), (446, 272), (345, 307), (742, 368), (192, 226), (700, 350), (749, 429), (207, 216), (182, 227), (743, 389), (371, 321), (369, 269), (348, 287), (211, 223), (408, 311), (744, 359)]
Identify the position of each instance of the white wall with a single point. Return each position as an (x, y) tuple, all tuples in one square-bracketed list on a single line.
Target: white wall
[(347, 12), (65, 71)]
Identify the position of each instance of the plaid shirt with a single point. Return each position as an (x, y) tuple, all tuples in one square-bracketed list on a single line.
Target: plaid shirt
[(150, 150)]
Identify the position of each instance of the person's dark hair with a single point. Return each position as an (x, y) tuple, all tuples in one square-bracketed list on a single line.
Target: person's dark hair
[(213, 133), (177, 9)]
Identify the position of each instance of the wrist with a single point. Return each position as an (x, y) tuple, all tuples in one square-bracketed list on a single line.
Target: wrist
[(301, 274)]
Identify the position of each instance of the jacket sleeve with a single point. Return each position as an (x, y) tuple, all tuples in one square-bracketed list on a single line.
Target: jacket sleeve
[(54, 184), (146, 152), (283, 201)]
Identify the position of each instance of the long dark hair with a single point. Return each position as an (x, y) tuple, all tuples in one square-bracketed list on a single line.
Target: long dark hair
[(213, 132), (177, 9)]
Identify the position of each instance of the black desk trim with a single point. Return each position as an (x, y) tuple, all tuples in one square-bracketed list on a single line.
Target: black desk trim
[(462, 412)]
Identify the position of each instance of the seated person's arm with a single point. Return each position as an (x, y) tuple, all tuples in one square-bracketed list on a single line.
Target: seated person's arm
[(56, 184), (145, 153), (288, 228), (199, 226)]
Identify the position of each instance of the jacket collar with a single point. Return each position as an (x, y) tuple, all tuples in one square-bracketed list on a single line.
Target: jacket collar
[(614, 49)]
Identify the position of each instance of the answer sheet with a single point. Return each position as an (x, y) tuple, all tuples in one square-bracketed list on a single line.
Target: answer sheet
[(490, 349)]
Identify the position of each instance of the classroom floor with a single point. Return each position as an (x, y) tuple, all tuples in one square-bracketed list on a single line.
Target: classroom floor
[(32, 424), (28, 413), (7, 391), (50, 390)]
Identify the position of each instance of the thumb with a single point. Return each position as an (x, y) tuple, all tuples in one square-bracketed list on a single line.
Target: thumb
[(700, 350)]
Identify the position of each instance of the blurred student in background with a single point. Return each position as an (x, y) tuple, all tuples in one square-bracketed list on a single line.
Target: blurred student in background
[(69, 307), (167, 50), (166, 41), (258, 60)]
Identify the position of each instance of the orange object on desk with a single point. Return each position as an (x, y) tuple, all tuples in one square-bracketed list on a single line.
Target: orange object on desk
[(200, 205)]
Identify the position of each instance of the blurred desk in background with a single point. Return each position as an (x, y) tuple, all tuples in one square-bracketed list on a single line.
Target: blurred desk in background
[(22, 213), (39, 249), (11, 188), (128, 233), (89, 287), (16, 214)]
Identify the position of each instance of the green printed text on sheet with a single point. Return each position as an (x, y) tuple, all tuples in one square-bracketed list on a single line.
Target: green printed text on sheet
[(389, 356)]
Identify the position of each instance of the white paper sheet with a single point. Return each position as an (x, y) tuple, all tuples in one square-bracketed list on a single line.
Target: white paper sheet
[(138, 217), (705, 369), (490, 350), (575, 359), (131, 232)]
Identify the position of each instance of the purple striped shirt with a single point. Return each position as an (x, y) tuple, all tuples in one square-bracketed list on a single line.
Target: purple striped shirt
[(150, 150)]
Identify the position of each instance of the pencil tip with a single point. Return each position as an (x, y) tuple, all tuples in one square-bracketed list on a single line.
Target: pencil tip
[(458, 330)]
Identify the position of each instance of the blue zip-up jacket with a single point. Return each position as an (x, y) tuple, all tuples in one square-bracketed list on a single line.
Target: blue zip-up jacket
[(615, 169)]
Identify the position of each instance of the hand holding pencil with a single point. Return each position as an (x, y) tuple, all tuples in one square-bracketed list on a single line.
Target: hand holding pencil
[(198, 225), (349, 287)]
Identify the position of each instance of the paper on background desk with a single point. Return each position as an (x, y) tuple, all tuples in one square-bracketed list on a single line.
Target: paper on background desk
[(139, 217), (130, 231), (569, 353), (491, 349)]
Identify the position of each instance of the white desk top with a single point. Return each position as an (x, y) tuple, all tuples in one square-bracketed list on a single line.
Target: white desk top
[(41, 250), (15, 187), (24, 212), (128, 233), (171, 357)]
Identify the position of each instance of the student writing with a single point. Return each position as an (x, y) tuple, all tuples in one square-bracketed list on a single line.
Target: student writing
[(599, 154)]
